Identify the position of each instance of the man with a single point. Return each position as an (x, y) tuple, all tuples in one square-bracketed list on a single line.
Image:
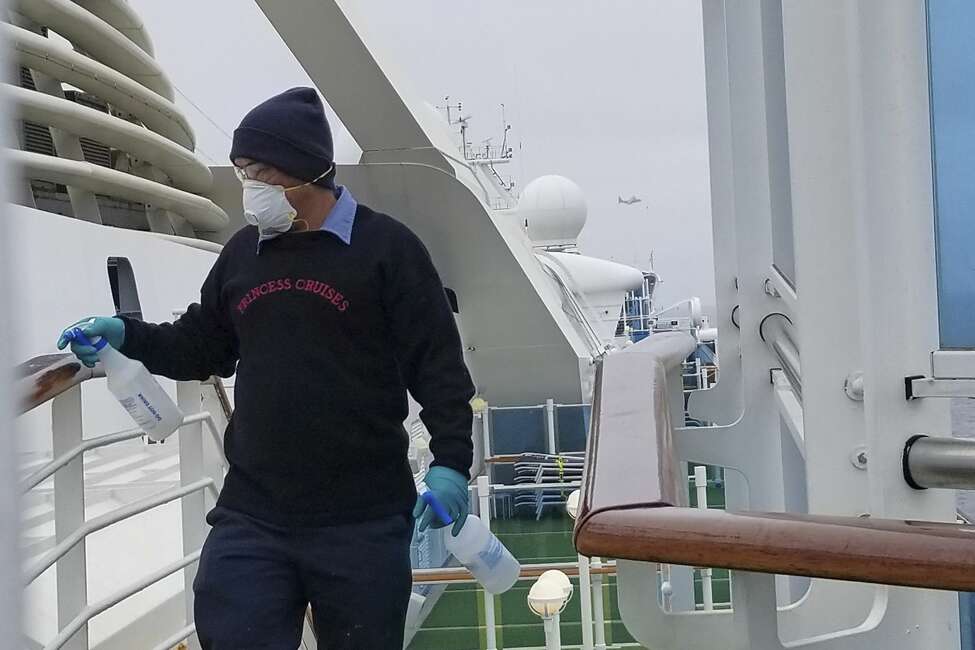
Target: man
[(330, 312)]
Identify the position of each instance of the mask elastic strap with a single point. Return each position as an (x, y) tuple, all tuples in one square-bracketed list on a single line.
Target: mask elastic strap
[(320, 177)]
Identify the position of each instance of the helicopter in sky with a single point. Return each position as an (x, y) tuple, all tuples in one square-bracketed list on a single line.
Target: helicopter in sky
[(630, 201)]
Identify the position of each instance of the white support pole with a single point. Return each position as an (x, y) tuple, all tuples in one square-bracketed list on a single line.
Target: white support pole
[(550, 426), (484, 508), (599, 618), (11, 590), (701, 485), (585, 602), (666, 589), (69, 514), (486, 429), (553, 635), (84, 204), (191, 468)]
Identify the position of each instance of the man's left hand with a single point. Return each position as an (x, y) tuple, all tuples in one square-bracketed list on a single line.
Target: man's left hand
[(450, 488)]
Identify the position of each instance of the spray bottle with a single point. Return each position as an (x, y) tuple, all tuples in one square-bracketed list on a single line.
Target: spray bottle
[(477, 548), (149, 405)]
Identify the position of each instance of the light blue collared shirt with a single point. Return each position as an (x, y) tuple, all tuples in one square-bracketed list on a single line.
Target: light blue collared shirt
[(339, 220)]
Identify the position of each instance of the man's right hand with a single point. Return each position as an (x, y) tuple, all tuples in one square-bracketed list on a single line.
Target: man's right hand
[(110, 328)]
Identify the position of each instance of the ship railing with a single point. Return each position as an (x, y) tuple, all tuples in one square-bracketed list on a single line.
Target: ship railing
[(573, 304), (57, 379), (461, 575), (633, 504)]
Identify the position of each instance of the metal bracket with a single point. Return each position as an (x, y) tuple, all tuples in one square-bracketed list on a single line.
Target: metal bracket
[(952, 375), (918, 386)]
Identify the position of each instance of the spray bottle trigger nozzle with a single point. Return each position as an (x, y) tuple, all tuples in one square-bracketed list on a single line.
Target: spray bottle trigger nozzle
[(431, 499), (77, 334)]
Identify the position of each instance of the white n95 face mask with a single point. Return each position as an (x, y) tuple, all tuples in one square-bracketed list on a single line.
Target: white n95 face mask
[(267, 207)]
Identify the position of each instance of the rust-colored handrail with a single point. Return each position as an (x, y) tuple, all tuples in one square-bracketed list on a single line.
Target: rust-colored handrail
[(630, 512), (45, 377)]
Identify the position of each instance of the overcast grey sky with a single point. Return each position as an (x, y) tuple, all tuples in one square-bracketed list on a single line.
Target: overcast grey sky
[(609, 94)]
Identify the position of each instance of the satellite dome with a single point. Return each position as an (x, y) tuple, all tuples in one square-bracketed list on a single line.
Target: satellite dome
[(553, 210)]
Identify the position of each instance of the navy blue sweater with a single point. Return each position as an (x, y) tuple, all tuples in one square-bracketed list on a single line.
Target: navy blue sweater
[(326, 339)]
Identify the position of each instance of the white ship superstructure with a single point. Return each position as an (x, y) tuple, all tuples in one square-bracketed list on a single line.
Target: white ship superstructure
[(842, 301)]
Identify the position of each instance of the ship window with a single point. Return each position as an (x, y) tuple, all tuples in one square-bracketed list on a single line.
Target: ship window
[(125, 294), (452, 299), (952, 66)]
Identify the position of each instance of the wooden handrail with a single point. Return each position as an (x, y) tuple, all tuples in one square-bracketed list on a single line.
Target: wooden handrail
[(630, 457), (45, 377), (932, 555), (630, 507)]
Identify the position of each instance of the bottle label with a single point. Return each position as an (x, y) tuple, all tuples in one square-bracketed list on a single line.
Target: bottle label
[(492, 555), (154, 414), (140, 411)]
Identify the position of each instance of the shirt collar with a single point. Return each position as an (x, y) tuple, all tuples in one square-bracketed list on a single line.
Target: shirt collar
[(341, 218), (338, 221)]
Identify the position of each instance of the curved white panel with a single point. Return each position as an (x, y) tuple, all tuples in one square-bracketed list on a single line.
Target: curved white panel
[(99, 40), (157, 113), (179, 163), (122, 17), (201, 212)]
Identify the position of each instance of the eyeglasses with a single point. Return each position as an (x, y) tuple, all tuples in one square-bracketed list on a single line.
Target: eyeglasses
[(254, 171), (261, 172)]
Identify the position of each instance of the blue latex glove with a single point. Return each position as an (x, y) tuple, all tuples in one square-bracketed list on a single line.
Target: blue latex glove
[(450, 488), (111, 329)]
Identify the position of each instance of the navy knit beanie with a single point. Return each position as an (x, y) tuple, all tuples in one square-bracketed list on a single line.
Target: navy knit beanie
[(290, 132)]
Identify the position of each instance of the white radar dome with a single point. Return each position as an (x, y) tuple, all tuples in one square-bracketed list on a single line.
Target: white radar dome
[(554, 211)]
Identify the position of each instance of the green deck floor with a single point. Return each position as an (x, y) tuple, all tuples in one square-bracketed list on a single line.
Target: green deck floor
[(457, 622)]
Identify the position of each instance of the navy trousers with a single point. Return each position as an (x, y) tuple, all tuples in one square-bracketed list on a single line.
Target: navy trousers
[(256, 579)]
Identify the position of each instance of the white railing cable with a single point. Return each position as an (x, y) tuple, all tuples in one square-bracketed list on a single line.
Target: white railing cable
[(50, 468), (95, 609), (103, 521), (534, 487), (174, 640)]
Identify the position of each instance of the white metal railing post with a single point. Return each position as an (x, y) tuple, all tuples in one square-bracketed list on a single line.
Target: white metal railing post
[(550, 426), (191, 468), (585, 602), (486, 429), (213, 459), (599, 617), (69, 514), (701, 485), (484, 508), (553, 634), (666, 589)]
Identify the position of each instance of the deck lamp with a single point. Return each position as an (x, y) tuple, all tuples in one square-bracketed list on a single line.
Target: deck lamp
[(559, 579), (547, 598)]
